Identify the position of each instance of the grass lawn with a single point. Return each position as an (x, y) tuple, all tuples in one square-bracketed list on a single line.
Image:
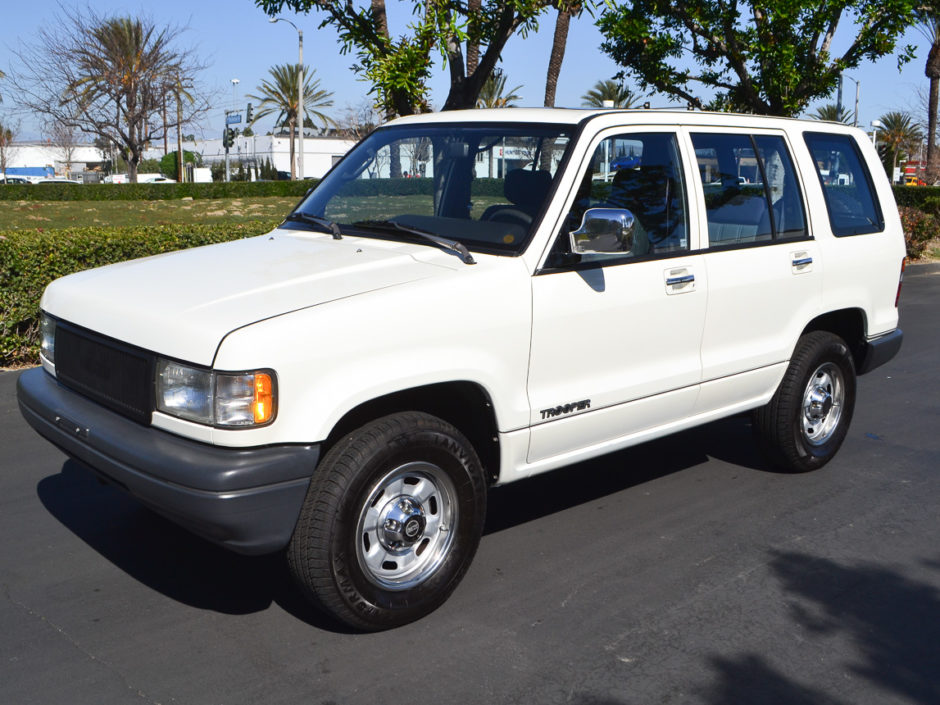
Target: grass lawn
[(50, 215)]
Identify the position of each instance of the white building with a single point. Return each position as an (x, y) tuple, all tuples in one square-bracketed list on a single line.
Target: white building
[(320, 153), (51, 160)]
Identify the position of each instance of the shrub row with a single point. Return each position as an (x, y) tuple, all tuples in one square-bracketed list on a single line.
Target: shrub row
[(152, 192), (219, 189), (916, 196), (30, 259)]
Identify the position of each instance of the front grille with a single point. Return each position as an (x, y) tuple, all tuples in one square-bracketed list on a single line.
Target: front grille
[(114, 375)]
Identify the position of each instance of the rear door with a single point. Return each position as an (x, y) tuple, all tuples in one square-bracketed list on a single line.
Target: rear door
[(764, 268)]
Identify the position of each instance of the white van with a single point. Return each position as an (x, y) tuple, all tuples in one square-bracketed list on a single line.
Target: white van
[(543, 287)]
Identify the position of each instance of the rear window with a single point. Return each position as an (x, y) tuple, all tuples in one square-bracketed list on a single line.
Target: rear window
[(847, 185), (751, 190)]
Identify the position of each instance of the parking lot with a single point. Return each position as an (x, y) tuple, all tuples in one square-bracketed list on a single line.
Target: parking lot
[(680, 571)]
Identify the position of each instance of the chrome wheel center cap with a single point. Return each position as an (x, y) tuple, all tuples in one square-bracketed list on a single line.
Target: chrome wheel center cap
[(404, 523), (820, 403)]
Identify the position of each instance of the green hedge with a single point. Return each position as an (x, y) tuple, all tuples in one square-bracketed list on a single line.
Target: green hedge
[(30, 259), (152, 192), (918, 197)]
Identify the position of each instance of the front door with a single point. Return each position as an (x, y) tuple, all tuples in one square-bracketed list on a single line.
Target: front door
[(617, 329)]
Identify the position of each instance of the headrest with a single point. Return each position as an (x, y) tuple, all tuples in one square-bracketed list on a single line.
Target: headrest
[(527, 188)]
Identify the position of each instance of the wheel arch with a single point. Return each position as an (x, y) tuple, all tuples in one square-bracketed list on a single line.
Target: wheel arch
[(465, 405), (850, 324)]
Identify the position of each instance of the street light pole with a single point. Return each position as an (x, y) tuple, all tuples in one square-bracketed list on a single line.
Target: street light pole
[(858, 88), (300, 95)]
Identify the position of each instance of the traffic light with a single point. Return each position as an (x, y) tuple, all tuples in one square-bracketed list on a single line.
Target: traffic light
[(228, 137), (249, 113)]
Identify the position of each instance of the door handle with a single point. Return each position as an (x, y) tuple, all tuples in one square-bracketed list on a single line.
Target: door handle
[(802, 261), (678, 281)]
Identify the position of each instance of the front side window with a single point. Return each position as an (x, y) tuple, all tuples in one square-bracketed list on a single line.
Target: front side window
[(481, 185), (751, 190), (847, 186), (631, 202)]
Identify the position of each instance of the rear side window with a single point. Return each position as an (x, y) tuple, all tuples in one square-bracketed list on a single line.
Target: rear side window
[(847, 185), (751, 190)]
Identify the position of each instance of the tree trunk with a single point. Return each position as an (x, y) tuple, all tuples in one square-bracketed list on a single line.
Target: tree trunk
[(293, 169), (560, 41), (932, 71), (562, 21), (473, 48)]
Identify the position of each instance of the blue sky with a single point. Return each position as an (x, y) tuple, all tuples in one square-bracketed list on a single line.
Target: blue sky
[(236, 40)]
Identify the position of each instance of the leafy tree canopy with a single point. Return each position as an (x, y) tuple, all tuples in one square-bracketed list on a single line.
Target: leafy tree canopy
[(468, 36), (770, 58)]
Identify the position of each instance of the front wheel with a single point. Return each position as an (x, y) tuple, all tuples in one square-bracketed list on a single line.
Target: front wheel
[(808, 417), (391, 521)]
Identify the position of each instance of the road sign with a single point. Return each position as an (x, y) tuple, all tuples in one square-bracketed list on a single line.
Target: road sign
[(233, 118)]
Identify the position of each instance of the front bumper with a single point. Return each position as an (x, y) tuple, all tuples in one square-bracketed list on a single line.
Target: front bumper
[(245, 499)]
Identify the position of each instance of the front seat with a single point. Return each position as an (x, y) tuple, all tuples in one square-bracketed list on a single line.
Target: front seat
[(525, 190)]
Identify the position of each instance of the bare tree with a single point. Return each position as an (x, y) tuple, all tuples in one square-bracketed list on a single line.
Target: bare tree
[(7, 150), (358, 121), (65, 138), (107, 76)]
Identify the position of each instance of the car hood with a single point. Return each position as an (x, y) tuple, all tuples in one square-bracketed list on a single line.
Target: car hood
[(183, 304)]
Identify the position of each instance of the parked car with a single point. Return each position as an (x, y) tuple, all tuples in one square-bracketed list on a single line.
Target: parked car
[(348, 386), (57, 180)]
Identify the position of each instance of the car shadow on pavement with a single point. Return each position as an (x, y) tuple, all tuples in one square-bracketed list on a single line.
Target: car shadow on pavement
[(170, 559), (727, 440), (196, 572), (892, 620)]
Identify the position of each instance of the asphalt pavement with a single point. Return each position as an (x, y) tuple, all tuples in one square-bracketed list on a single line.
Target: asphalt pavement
[(680, 571)]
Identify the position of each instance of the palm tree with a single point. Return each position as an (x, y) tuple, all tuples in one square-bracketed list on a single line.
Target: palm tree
[(831, 112), (620, 95), (493, 93), (279, 95), (929, 26), (898, 136)]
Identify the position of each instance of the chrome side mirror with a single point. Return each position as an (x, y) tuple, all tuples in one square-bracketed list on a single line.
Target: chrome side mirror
[(604, 231)]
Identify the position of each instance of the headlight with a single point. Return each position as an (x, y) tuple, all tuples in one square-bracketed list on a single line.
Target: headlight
[(47, 333), (231, 399)]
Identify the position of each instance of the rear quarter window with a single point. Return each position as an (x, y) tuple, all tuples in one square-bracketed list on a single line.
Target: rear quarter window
[(847, 185)]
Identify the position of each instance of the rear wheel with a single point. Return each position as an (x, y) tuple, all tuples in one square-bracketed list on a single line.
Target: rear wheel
[(391, 521), (808, 417)]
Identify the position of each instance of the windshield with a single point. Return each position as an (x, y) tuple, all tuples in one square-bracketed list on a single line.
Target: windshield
[(482, 185)]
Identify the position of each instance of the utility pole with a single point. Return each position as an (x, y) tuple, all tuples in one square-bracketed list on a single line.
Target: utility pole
[(300, 105), (179, 136), (300, 95)]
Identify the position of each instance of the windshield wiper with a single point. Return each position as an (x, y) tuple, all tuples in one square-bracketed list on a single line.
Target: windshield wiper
[(452, 245), (329, 225)]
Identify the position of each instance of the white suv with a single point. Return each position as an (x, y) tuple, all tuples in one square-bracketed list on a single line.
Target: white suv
[(468, 299)]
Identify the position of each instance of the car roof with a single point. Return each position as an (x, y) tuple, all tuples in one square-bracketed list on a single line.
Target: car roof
[(619, 116)]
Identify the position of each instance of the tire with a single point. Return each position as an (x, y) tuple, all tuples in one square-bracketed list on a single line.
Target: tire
[(809, 415), (391, 522)]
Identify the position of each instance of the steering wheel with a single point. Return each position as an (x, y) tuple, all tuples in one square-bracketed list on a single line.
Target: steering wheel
[(511, 215)]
